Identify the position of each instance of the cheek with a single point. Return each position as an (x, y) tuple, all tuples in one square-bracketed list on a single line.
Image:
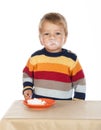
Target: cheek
[(44, 40), (63, 40), (60, 40), (41, 40)]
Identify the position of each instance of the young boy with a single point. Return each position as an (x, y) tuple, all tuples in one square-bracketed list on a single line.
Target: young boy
[(53, 72)]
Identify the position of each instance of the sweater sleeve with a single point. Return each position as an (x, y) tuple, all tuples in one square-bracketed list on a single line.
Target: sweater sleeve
[(78, 80), (28, 76)]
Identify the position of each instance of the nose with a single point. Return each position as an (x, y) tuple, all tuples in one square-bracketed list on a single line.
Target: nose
[(52, 37)]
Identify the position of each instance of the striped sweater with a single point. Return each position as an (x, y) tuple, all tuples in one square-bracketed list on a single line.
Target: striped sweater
[(54, 75)]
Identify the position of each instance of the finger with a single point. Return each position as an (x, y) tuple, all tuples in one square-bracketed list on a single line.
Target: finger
[(27, 96)]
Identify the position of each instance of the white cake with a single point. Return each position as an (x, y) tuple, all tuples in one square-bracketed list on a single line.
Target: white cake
[(35, 101)]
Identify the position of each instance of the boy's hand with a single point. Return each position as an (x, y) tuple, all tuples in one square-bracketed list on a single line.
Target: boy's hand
[(76, 99), (28, 94)]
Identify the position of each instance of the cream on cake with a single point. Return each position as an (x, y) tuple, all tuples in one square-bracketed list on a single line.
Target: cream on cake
[(35, 101)]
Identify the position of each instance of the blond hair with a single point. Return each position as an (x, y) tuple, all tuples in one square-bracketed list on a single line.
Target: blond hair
[(54, 18)]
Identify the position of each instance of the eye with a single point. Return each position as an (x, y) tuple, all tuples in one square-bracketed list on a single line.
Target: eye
[(58, 33), (46, 33)]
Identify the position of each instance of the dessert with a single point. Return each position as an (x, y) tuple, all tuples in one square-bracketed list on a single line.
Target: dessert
[(36, 101)]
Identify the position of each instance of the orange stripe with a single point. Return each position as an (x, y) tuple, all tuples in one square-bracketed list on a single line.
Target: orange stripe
[(29, 65), (77, 68), (52, 67)]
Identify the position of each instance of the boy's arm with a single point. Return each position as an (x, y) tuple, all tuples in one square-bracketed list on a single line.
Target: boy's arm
[(80, 92), (28, 80), (78, 80)]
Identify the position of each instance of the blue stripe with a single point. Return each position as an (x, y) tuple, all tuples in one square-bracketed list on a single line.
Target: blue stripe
[(79, 95), (27, 84), (39, 96), (64, 53)]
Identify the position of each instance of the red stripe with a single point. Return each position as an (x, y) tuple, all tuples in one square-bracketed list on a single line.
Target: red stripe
[(52, 76), (26, 70), (78, 76)]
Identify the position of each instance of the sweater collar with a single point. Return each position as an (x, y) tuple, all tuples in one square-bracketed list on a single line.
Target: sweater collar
[(55, 54)]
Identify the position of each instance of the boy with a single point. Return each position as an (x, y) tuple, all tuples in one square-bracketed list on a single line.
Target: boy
[(53, 72)]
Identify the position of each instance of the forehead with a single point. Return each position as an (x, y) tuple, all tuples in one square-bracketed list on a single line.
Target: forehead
[(49, 25)]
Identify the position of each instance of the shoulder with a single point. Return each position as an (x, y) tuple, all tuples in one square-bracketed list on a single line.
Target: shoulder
[(38, 52), (70, 54)]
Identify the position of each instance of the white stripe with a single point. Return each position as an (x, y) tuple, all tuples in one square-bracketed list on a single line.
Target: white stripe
[(53, 93), (27, 80), (80, 88)]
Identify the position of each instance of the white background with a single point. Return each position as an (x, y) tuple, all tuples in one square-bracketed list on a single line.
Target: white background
[(19, 21)]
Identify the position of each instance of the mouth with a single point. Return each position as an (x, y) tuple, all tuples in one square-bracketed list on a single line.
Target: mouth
[(53, 43)]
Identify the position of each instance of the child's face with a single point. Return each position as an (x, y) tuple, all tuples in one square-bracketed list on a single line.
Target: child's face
[(52, 37)]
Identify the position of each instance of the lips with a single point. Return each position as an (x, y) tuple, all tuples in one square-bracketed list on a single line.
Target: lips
[(52, 42)]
